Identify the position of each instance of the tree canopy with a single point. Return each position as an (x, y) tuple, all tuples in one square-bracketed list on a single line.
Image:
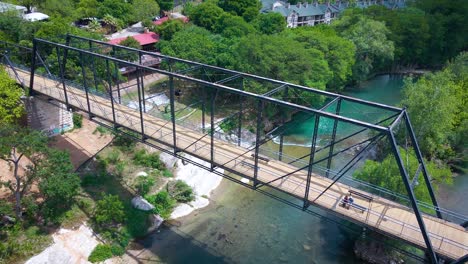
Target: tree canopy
[(11, 107), (438, 107)]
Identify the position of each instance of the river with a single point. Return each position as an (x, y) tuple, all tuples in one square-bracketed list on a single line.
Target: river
[(244, 226)]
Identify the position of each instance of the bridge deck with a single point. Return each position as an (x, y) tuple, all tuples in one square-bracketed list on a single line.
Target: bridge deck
[(448, 239)]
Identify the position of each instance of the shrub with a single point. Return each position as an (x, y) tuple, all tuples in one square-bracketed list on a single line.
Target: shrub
[(100, 253), (163, 203), (120, 167), (109, 211), (124, 142), (180, 191), (137, 223), (144, 184), (77, 120), (167, 173), (150, 160), (117, 250), (113, 157)]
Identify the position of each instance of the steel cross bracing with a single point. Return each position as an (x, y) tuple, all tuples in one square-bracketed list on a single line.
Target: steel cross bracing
[(214, 86)]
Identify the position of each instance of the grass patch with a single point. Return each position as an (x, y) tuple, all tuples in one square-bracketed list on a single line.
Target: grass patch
[(19, 243), (101, 253)]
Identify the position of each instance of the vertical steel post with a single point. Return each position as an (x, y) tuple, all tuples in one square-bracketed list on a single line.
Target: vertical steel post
[(241, 106), (142, 83), (62, 77), (280, 154), (90, 43), (421, 161), (85, 85), (172, 98), (311, 162), (203, 108), (257, 141), (212, 129), (143, 137), (332, 143), (33, 68), (414, 204), (116, 73), (109, 81)]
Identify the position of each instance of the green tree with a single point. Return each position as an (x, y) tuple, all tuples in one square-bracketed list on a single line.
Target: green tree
[(144, 9), (25, 146), (58, 184), (87, 8), (339, 52), (109, 211), (192, 43), (270, 23), (386, 174), (245, 8), (11, 107), (449, 33), (131, 43), (119, 9), (373, 49), (206, 15), (167, 29), (282, 58), (232, 26), (433, 103), (166, 5)]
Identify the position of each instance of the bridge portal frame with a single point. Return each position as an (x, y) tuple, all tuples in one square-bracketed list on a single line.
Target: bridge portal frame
[(262, 98)]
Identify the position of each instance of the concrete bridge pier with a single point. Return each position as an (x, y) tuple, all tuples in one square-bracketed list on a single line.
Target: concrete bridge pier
[(49, 116)]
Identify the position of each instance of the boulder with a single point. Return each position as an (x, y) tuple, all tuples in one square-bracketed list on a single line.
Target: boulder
[(142, 173), (156, 221), (140, 203)]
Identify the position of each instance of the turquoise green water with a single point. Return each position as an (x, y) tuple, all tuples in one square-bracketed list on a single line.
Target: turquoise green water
[(244, 226), (383, 89)]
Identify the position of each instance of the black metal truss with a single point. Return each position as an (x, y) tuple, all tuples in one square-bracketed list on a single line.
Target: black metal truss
[(261, 99)]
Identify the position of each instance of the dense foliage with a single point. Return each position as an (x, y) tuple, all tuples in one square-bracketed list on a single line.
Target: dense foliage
[(11, 107), (386, 174), (438, 109)]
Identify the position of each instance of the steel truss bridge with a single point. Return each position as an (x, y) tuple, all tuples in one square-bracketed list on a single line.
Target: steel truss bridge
[(84, 74)]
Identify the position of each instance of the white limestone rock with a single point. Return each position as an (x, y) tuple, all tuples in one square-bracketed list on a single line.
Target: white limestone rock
[(140, 203)]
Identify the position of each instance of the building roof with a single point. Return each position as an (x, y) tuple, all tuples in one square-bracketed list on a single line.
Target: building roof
[(36, 16), (143, 39), (4, 7), (304, 9), (166, 18), (312, 9)]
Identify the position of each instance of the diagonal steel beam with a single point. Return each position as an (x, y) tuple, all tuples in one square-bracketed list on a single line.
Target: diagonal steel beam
[(414, 204)]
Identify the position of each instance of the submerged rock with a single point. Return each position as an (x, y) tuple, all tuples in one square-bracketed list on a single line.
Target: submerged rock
[(140, 203), (375, 252)]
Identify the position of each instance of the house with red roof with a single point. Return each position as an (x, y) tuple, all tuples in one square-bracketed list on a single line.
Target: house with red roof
[(146, 40)]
